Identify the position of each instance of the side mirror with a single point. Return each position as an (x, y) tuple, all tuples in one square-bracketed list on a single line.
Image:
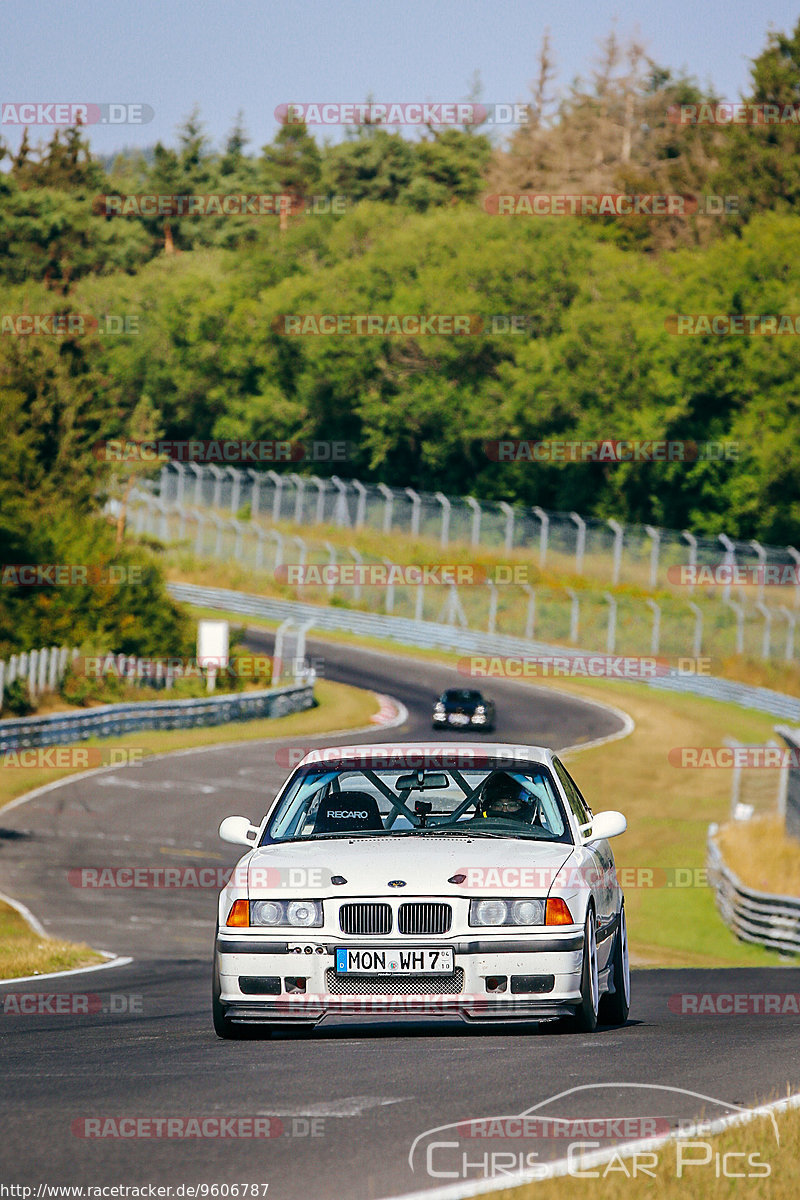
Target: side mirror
[(239, 831), (607, 824)]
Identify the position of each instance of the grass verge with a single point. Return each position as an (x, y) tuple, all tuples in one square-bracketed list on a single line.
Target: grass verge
[(25, 952), (735, 1161), (762, 855)]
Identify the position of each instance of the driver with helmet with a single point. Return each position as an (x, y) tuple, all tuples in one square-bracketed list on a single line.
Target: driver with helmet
[(504, 798)]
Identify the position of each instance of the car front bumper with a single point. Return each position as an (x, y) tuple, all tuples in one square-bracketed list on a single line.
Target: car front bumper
[(295, 983)]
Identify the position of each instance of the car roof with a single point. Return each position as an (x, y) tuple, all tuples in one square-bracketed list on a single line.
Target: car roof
[(432, 754)]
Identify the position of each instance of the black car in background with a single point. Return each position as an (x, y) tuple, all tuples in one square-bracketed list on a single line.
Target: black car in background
[(463, 708)]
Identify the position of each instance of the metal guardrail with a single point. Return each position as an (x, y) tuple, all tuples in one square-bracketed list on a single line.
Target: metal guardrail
[(111, 720), (772, 921), (433, 635)]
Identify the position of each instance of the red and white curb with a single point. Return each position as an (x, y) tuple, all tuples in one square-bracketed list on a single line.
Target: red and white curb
[(390, 714)]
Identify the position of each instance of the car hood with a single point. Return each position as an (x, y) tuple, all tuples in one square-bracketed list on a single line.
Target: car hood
[(489, 865)]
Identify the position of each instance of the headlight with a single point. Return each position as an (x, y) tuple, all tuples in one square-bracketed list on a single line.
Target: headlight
[(488, 912), (439, 707), (506, 912), (266, 912), (527, 912), (303, 914), (480, 710)]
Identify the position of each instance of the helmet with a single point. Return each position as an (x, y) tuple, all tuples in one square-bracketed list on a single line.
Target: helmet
[(503, 796)]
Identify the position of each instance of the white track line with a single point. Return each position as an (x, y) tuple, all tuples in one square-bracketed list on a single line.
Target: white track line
[(466, 1189)]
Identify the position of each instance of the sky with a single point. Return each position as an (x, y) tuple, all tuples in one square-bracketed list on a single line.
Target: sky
[(227, 56)]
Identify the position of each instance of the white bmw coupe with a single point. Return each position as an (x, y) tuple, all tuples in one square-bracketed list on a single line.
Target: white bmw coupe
[(459, 881)]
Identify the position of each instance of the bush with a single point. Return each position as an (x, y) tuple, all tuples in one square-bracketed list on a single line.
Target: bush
[(17, 699)]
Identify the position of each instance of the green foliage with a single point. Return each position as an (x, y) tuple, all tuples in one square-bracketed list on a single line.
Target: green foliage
[(17, 700)]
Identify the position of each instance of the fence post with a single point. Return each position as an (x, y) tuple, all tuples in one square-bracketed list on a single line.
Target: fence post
[(543, 533), (236, 490), (260, 536), (655, 535), (357, 558), (611, 635), (277, 538), (300, 654), (321, 486), (33, 661), (41, 671), (791, 621), (255, 492), (299, 496), (302, 547), (729, 561), (580, 541), (218, 478), (179, 490), (361, 504), (767, 635), (508, 541), (795, 556), (477, 511), (445, 503), (655, 637), (618, 535), (198, 483), (739, 611), (762, 560), (2, 681), (388, 505), (52, 678), (415, 507), (341, 513), (698, 628), (12, 670), (574, 615), (277, 660), (277, 499)]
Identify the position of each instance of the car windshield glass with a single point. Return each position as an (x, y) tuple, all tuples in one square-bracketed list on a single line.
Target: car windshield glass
[(367, 802), (463, 696)]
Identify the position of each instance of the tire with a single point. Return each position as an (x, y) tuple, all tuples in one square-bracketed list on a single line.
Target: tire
[(615, 1006), (586, 1014)]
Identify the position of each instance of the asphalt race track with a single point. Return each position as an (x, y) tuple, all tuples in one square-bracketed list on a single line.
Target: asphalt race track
[(346, 1102)]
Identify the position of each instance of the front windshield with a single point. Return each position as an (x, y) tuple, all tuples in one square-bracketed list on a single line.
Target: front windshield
[(366, 802)]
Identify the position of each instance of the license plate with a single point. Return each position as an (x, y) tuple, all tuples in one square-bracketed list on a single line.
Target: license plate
[(459, 719), (394, 962)]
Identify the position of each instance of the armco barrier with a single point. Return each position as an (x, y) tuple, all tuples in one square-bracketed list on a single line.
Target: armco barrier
[(433, 635), (112, 720), (772, 921)]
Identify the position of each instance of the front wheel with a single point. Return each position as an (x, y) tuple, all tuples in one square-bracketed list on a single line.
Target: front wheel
[(585, 1017), (615, 1006)]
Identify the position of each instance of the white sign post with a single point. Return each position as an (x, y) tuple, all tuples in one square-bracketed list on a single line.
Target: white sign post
[(212, 648)]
